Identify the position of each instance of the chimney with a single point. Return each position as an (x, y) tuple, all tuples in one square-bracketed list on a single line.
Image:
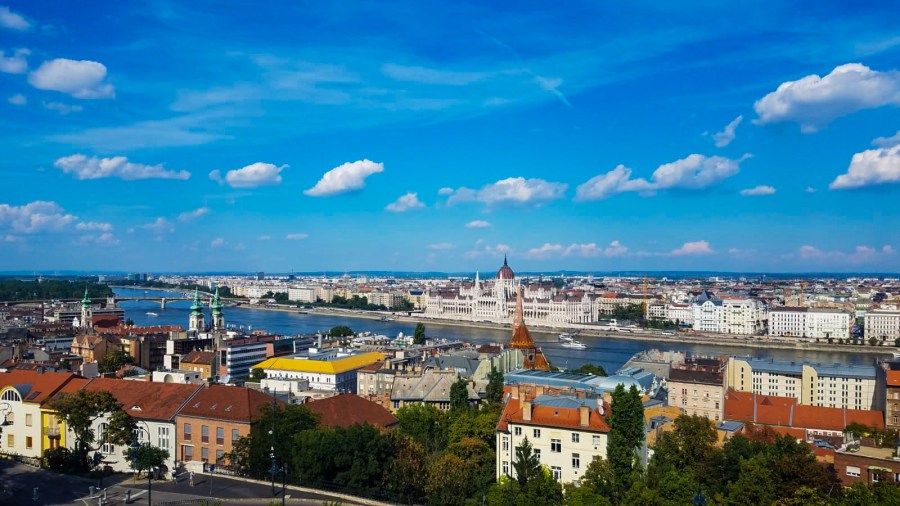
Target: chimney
[(584, 414), (526, 411), (514, 392), (539, 390)]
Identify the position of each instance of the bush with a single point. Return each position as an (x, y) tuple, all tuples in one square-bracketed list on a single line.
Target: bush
[(62, 460)]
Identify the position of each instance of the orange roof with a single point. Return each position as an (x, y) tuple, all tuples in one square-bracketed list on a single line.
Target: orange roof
[(786, 412), (37, 387), (222, 402), (521, 340), (345, 410), (140, 399), (893, 378), (551, 416)]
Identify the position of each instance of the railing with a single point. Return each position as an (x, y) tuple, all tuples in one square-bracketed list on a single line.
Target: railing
[(52, 431)]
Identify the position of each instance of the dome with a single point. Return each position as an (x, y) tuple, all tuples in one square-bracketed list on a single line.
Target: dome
[(505, 272)]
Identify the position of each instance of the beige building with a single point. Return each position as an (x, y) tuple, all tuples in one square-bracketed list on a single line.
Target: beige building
[(820, 323), (883, 324), (697, 392)]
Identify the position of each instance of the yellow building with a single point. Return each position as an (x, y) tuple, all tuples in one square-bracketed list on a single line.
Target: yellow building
[(329, 370)]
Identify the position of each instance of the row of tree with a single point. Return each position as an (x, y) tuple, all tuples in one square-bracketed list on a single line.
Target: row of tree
[(49, 289)]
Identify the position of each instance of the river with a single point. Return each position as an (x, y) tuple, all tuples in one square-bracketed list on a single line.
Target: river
[(611, 353)]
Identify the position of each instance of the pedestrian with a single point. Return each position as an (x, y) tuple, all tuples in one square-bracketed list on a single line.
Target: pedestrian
[(192, 478)]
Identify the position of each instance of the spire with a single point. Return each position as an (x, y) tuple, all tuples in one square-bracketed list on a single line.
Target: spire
[(477, 280), (216, 305), (197, 306), (86, 301), (504, 261), (519, 320)]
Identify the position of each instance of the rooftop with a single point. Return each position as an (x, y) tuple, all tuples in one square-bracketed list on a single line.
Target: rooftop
[(222, 402), (796, 368), (333, 366), (345, 410)]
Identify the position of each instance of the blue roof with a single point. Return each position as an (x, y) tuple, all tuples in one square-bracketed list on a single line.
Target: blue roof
[(563, 402), (796, 368), (597, 384), (730, 426)]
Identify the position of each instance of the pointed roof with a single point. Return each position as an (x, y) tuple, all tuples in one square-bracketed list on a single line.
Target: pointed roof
[(505, 271), (196, 306), (521, 338), (216, 305), (86, 301)]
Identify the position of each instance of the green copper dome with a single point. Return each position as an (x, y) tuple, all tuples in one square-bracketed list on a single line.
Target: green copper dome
[(196, 307), (216, 304), (85, 301)]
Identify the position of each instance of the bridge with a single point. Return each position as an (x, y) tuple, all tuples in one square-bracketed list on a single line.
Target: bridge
[(113, 301)]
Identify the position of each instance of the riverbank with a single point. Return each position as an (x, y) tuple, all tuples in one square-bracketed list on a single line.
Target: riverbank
[(759, 342)]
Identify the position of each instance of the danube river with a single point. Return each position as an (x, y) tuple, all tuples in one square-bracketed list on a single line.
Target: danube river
[(611, 353)]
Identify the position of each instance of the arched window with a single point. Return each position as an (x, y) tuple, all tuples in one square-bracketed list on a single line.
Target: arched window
[(11, 395)]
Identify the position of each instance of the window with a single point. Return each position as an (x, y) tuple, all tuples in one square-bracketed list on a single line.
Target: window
[(852, 471), (537, 453), (555, 445), (235, 435), (106, 447), (187, 432), (575, 437), (10, 440), (557, 472), (220, 456), (518, 431), (28, 442), (505, 444), (204, 434), (28, 419), (537, 433), (188, 452), (684, 401), (204, 454), (505, 468), (162, 436), (596, 441), (220, 436), (576, 461)]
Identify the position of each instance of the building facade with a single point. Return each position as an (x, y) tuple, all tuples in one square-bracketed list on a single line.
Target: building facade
[(728, 315), (882, 324), (700, 393), (819, 323), (333, 370)]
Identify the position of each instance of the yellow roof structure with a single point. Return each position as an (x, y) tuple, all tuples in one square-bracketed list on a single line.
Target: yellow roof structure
[(320, 366)]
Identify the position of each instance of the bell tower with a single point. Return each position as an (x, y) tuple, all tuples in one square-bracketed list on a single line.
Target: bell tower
[(217, 318), (196, 321), (87, 314)]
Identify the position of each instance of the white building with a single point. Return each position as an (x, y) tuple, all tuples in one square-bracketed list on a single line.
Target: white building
[(823, 323), (565, 432), (829, 385), (302, 294), (883, 324), (728, 315), (333, 370)]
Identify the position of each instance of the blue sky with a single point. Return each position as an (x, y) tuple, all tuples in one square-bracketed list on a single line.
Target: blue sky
[(180, 136)]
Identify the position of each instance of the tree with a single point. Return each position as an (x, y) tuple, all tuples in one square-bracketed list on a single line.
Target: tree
[(626, 435), (80, 410), (527, 465), (459, 395), (113, 361), (341, 331), (404, 475), (598, 477), (448, 480), (353, 457), (494, 389), (256, 375), (596, 370), (250, 455), (146, 456), (425, 424), (470, 423), (873, 341), (419, 334), (129, 322)]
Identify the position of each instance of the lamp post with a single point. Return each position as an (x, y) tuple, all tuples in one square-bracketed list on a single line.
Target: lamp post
[(134, 448), (512, 460), (274, 469), (699, 500)]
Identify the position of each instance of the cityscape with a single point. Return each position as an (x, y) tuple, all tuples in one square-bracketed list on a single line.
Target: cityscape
[(420, 253)]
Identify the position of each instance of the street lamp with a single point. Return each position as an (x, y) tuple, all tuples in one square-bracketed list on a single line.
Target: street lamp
[(134, 448), (512, 460), (699, 500), (275, 469)]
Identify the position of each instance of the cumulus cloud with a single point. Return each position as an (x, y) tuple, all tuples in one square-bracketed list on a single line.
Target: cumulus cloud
[(513, 190), (160, 226), (13, 20), (405, 203), (441, 246), (758, 190), (251, 176), (37, 216), (17, 99), (218, 242), (445, 191), (104, 239), (694, 172), (810, 189), (62, 108), (79, 78), (586, 250), (813, 102), (84, 167), (887, 142), (693, 248), (727, 135), (869, 168), (482, 249), (193, 215), (478, 224), (861, 254), (544, 251), (347, 177), (17, 63), (94, 226), (615, 248), (296, 237)]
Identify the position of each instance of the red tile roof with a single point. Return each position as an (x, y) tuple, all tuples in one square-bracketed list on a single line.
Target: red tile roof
[(199, 357), (36, 387), (893, 378), (347, 409), (786, 412), (158, 401), (223, 402), (550, 416)]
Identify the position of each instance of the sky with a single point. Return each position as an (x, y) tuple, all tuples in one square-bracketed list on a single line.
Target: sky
[(440, 136)]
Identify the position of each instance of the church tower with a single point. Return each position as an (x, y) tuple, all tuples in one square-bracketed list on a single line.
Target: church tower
[(87, 315), (521, 339), (196, 320), (217, 319)]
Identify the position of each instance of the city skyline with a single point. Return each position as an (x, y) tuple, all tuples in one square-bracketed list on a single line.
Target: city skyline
[(171, 138)]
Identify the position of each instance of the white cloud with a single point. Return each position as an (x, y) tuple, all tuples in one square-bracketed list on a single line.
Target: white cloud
[(815, 101), (105, 239), (513, 190), (445, 191), (347, 177), (94, 226), (296, 237), (12, 238), (693, 248), (79, 78), (758, 190), (193, 215), (160, 226), (615, 248), (727, 135), (17, 63), (887, 142), (18, 99), (861, 254), (264, 238), (441, 246), (810, 189), (482, 249), (586, 250), (119, 166), (478, 224), (546, 250), (37, 216), (251, 176), (218, 242), (694, 172), (869, 168), (405, 203), (431, 76), (62, 108), (13, 20)]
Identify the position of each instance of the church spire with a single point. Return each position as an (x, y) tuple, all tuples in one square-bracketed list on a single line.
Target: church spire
[(217, 318), (196, 320)]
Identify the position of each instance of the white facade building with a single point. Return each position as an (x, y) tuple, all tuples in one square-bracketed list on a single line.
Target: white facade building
[(728, 315), (302, 294), (823, 323), (883, 324)]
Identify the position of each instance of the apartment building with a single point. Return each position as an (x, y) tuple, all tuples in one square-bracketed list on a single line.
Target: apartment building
[(728, 315), (882, 324), (697, 392), (805, 322)]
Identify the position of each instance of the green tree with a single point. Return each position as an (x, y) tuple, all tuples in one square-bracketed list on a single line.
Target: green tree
[(448, 480), (470, 423), (596, 370), (527, 465), (146, 457), (250, 455), (459, 395), (419, 334), (404, 475), (256, 375), (80, 410), (598, 477), (340, 331), (113, 361), (354, 457), (626, 435), (754, 485), (129, 322), (425, 424), (688, 446), (494, 389)]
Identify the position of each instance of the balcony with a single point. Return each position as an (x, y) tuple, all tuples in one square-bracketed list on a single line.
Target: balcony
[(52, 431)]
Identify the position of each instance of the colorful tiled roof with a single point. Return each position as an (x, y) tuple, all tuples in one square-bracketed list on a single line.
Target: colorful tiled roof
[(35, 386), (143, 399), (787, 412), (548, 415)]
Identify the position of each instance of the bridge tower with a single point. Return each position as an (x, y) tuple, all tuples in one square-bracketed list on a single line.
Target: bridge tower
[(217, 319), (196, 320), (87, 314), (162, 303)]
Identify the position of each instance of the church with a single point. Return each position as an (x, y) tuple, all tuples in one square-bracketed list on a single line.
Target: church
[(495, 301)]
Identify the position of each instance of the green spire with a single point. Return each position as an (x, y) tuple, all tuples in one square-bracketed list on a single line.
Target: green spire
[(196, 307), (217, 304), (86, 302)]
